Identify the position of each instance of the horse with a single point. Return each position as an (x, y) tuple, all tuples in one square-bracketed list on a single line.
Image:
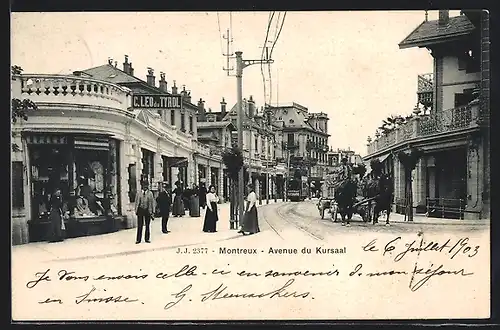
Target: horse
[(380, 189), (344, 196)]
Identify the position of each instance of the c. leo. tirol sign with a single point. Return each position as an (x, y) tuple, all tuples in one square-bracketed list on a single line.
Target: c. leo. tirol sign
[(156, 101)]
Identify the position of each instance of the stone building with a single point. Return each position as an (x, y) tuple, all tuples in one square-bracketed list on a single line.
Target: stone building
[(450, 124), (97, 135), (259, 138), (302, 140), (216, 135)]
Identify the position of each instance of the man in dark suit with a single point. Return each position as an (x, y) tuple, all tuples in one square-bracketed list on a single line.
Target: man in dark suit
[(144, 209), (164, 201)]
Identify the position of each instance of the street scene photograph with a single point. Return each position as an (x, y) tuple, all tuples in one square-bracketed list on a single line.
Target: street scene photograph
[(267, 165)]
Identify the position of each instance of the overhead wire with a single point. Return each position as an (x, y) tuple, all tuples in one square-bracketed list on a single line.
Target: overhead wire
[(220, 34), (269, 73), (220, 39), (277, 37), (271, 16)]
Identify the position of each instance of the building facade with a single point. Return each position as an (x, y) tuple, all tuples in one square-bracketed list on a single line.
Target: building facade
[(259, 136), (450, 123), (97, 138), (302, 140)]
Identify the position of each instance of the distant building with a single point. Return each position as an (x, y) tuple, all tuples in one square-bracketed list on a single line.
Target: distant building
[(335, 156), (450, 124), (259, 136), (303, 138)]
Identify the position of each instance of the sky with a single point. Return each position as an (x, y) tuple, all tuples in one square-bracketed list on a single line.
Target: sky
[(344, 63)]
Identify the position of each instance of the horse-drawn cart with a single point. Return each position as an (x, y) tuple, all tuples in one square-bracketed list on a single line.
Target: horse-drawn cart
[(363, 207), (326, 203)]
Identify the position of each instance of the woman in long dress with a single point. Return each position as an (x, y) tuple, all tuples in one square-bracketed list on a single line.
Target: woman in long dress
[(211, 215), (178, 207), (250, 223), (56, 217)]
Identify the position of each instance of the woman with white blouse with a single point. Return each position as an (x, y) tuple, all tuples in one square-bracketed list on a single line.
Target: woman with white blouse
[(250, 223), (211, 216)]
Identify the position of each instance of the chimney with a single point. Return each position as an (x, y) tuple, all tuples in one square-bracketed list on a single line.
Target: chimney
[(251, 107), (201, 109), (174, 89), (211, 117), (163, 82), (444, 17), (186, 95), (223, 107), (127, 66), (151, 77), (110, 61)]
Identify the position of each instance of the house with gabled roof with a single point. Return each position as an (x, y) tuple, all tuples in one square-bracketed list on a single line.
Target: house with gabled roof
[(450, 123)]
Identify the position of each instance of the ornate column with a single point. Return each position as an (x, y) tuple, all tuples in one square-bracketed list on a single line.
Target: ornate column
[(221, 182), (475, 186), (419, 183), (398, 181)]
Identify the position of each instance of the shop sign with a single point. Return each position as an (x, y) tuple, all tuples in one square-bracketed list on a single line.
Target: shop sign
[(156, 101)]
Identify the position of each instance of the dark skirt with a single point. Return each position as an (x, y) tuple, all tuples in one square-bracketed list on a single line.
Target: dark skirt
[(178, 207), (251, 221), (211, 218), (56, 233)]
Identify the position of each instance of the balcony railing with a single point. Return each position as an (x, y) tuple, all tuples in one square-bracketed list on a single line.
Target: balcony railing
[(425, 83), (73, 90), (451, 120)]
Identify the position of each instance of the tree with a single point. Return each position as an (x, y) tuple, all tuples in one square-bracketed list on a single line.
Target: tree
[(233, 159), (20, 108), (409, 160)]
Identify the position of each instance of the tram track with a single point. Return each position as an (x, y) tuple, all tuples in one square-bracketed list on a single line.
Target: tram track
[(284, 212)]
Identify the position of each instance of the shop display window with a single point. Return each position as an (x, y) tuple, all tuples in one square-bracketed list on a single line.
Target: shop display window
[(49, 170), (92, 184)]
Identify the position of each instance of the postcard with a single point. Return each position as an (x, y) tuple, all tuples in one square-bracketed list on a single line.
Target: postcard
[(196, 166)]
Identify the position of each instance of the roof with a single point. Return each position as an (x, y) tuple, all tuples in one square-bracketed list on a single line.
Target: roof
[(213, 124), (108, 72), (431, 32)]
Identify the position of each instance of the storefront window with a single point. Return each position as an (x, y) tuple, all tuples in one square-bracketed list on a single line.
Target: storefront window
[(49, 170), (91, 182), (84, 168), (147, 167)]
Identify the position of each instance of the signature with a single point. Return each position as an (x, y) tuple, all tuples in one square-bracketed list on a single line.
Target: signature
[(221, 292)]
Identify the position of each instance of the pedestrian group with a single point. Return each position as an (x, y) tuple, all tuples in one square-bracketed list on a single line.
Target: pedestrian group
[(147, 208)]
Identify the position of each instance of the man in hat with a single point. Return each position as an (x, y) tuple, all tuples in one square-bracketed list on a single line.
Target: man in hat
[(164, 201), (346, 169), (144, 209)]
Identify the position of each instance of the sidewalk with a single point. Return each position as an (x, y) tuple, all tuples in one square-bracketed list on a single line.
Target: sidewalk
[(421, 218), (185, 231), (417, 218)]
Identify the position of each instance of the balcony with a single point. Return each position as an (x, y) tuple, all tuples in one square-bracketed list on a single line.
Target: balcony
[(61, 89), (425, 89), (424, 126)]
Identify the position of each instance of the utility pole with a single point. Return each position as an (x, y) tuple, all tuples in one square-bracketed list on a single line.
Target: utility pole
[(240, 65)]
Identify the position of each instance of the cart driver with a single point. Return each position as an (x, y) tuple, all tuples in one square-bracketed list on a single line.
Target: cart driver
[(346, 170)]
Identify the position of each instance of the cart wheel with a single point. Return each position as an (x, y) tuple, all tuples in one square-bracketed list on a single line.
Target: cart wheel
[(334, 214)]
